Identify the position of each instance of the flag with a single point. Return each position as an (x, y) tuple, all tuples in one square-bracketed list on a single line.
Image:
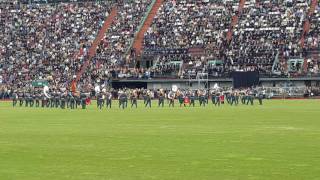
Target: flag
[(73, 86)]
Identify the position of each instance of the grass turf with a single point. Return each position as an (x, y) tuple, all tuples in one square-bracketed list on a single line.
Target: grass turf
[(280, 140)]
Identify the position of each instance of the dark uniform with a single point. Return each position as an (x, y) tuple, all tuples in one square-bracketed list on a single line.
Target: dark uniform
[(228, 97), (126, 99), (206, 97), (232, 98), (244, 98), (63, 100), (192, 99), (202, 99), (43, 100), (144, 97), (250, 98), (27, 99), (100, 100), (56, 99), (53, 99), (20, 97), (148, 100), (72, 101), (83, 98), (37, 98), (260, 98), (218, 102), (134, 99), (32, 99), (14, 99), (171, 98), (180, 98), (78, 100), (161, 99), (108, 100), (236, 98), (213, 98), (122, 100)]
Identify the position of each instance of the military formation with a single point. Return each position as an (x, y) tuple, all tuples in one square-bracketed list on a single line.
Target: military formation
[(104, 99), (55, 99)]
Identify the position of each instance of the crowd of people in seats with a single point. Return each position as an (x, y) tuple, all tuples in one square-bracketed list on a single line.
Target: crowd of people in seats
[(113, 52), (312, 42), (188, 24), (47, 41), (266, 37), (51, 40), (266, 30), (191, 23)]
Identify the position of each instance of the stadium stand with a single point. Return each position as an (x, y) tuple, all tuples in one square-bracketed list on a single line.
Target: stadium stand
[(47, 41), (156, 39)]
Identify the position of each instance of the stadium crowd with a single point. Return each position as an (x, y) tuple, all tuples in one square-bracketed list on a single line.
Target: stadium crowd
[(186, 24), (266, 36), (51, 40), (113, 52), (42, 41)]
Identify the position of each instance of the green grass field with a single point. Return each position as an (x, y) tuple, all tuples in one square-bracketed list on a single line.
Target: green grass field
[(280, 140)]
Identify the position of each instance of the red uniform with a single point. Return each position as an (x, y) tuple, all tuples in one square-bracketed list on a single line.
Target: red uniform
[(186, 100), (222, 98)]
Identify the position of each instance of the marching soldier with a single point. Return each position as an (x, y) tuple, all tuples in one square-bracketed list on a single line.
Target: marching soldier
[(20, 97), (32, 98), (144, 94), (100, 100), (83, 98), (72, 101), (37, 98), (122, 99), (202, 98), (206, 96), (192, 99), (161, 98), (14, 98), (63, 99), (67, 95), (232, 98), (126, 98), (236, 98), (148, 99), (186, 99), (260, 97), (171, 97), (108, 99), (217, 97), (250, 97), (43, 100), (134, 99), (244, 97), (56, 99), (27, 98), (77, 99), (53, 99), (213, 97), (180, 97), (228, 97)]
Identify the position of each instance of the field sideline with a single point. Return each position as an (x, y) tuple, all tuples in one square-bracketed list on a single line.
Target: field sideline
[(279, 140)]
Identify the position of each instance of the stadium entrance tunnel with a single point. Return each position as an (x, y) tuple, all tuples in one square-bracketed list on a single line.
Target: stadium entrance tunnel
[(245, 79)]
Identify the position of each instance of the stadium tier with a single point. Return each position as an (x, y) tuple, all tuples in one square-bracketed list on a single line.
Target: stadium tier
[(59, 41)]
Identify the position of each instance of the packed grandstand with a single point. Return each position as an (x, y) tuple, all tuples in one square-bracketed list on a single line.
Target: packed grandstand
[(57, 41)]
